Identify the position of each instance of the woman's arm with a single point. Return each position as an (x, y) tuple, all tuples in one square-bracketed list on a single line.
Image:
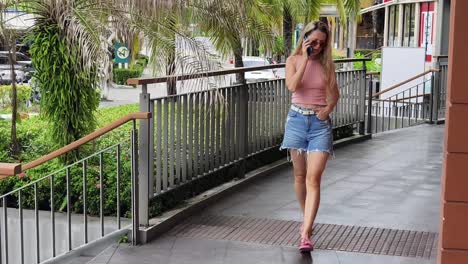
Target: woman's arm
[(293, 75), (333, 95)]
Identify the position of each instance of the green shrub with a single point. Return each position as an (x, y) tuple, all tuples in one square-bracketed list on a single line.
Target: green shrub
[(35, 141), (142, 60), (371, 66), (122, 75)]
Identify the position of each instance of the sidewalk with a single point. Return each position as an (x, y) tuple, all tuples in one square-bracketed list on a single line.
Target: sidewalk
[(381, 196)]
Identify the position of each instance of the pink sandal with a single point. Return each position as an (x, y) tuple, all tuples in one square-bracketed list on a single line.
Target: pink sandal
[(306, 245)]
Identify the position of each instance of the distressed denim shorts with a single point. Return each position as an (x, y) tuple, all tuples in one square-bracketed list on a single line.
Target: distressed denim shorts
[(307, 133)]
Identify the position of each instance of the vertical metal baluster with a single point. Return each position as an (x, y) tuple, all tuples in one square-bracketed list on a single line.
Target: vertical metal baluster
[(36, 220), (5, 227), (417, 103), (340, 102), (270, 113), (85, 208), (274, 114), (178, 128), (231, 124), (118, 187), (134, 180), (171, 143), (238, 123), (68, 209), (183, 160), (397, 112), (101, 193), (278, 110), (219, 124), (202, 116), (190, 128), (196, 136), (264, 115), (52, 213), (213, 130), (254, 88), (249, 124), (207, 117), (410, 108), (21, 233), (224, 131), (158, 142), (165, 144), (209, 130), (381, 109), (348, 109), (259, 116)]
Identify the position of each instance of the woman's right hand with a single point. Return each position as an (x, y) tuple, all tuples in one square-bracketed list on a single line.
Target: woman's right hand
[(305, 44)]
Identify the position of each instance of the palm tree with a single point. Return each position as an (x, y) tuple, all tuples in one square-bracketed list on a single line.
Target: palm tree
[(293, 11), (8, 38), (228, 22)]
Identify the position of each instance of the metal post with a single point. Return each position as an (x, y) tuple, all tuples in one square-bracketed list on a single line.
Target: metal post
[(244, 129), (435, 93), (369, 106), (135, 186), (146, 161), (362, 101)]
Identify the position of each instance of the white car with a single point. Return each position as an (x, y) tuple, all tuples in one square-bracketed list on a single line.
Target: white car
[(22, 67), (258, 76)]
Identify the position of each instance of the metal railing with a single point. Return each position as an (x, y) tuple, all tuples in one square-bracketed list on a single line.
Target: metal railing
[(198, 133), (46, 233), (440, 89), (394, 108)]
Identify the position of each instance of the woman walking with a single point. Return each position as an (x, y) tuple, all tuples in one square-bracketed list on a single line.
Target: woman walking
[(310, 76)]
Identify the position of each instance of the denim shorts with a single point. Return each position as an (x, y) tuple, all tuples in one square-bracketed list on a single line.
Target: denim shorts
[(307, 133)]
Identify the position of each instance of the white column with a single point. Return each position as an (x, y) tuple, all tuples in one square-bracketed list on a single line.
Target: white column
[(400, 25), (417, 23), (385, 42)]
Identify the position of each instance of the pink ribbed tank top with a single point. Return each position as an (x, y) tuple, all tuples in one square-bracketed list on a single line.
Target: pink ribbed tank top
[(312, 89)]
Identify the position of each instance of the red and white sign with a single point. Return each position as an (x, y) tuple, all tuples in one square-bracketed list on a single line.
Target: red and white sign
[(426, 36)]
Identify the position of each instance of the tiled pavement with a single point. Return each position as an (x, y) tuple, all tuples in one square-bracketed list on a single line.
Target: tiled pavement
[(388, 184)]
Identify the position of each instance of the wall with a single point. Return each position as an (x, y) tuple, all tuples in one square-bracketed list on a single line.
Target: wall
[(453, 244)]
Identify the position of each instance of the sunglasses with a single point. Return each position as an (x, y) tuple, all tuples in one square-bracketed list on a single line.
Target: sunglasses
[(321, 44)]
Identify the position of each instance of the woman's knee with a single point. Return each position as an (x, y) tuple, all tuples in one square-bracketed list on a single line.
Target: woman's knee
[(300, 177), (313, 180)]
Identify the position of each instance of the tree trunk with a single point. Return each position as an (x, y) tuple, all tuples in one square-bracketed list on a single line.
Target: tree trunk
[(14, 102), (287, 31), (238, 63), (374, 26), (171, 70)]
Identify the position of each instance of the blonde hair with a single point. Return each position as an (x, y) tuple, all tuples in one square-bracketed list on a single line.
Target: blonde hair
[(326, 59)]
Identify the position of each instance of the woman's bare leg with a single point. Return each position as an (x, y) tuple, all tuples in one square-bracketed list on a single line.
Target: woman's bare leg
[(300, 171), (316, 162)]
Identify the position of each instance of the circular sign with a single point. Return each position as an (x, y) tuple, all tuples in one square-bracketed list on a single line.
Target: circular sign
[(123, 52)]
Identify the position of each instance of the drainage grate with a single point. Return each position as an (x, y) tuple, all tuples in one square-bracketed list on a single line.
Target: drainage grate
[(359, 239)]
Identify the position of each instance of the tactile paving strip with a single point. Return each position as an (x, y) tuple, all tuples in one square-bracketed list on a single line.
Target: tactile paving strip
[(359, 239)]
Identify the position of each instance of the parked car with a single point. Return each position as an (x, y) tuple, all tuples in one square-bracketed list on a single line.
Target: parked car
[(23, 68), (257, 76)]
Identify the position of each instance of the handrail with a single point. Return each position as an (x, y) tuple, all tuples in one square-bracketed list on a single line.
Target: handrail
[(10, 169), (401, 99), (151, 80), (405, 82), (373, 73)]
